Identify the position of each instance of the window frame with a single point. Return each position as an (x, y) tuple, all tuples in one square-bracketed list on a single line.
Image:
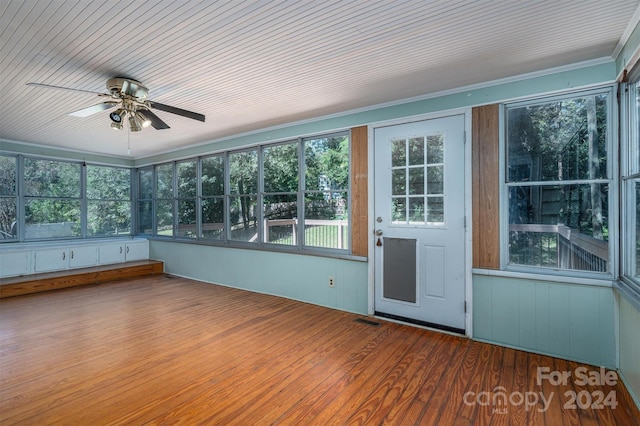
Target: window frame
[(629, 177), (17, 204), (611, 180), (87, 200), (258, 243)]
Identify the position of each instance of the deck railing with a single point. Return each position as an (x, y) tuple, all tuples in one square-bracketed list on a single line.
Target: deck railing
[(318, 233), (569, 249)]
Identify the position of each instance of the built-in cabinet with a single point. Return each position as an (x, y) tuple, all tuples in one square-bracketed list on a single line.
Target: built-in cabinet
[(24, 259)]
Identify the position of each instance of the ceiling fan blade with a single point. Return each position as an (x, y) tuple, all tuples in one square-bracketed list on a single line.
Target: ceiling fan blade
[(85, 112), (49, 86), (155, 120), (178, 111)]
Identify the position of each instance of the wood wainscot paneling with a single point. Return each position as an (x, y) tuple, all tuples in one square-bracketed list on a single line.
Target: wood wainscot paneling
[(359, 191), (486, 189)]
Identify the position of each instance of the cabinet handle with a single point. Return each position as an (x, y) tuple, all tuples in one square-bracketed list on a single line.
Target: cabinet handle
[(127, 249), (120, 249), (72, 254), (64, 255)]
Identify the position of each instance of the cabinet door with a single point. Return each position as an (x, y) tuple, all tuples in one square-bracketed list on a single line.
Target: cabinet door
[(111, 253), (14, 263), (83, 256), (137, 250), (51, 259)]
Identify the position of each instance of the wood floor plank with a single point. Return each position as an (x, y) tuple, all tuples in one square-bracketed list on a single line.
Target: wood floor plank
[(167, 350)]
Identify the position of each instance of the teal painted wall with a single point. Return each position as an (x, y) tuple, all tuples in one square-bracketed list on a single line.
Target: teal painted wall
[(570, 321), (629, 50), (294, 276), (630, 347), (496, 92)]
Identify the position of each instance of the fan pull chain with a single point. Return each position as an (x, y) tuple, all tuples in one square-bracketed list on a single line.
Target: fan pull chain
[(128, 140)]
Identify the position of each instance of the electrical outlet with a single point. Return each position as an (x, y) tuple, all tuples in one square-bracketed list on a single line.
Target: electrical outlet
[(332, 283)]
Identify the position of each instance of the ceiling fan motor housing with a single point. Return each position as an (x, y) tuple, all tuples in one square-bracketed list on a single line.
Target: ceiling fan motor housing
[(126, 86)]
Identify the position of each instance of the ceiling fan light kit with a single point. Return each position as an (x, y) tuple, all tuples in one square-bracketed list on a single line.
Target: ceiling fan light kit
[(130, 96)]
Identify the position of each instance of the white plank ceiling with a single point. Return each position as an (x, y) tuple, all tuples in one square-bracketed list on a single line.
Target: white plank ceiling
[(248, 65)]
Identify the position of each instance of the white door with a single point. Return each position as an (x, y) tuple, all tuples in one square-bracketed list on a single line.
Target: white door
[(419, 218)]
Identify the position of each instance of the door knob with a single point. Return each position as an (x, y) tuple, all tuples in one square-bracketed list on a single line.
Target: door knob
[(378, 232)]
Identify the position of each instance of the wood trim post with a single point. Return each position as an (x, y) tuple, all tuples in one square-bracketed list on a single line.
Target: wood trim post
[(486, 186), (359, 191)]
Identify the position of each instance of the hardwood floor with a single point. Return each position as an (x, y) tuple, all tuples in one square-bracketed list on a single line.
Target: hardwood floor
[(164, 350)]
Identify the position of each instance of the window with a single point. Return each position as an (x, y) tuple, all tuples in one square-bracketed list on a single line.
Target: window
[(243, 196), (417, 200), (212, 184), (108, 201), (52, 201), (280, 196), (558, 183), (186, 192), (164, 200), (630, 167), (8, 198), (288, 194), (145, 201), (326, 190)]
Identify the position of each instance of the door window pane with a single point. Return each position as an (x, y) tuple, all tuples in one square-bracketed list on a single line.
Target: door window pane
[(417, 207)]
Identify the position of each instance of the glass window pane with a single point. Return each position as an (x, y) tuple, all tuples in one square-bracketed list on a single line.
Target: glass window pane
[(52, 218), (435, 210), (281, 219), (186, 219), (213, 176), (243, 218), (399, 184), (416, 210), (8, 218), (281, 168), (145, 217), (213, 218), (416, 181), (435, 149), (563, 140), (399, 210), (108, 183), (435, 180), (108, 218), (326, 220), (187, 178), (398, 153), (243, 170), (164, 181), (327, 164), (416, 151), (45, 178), (145, 184), (164, 217), (563, 226), (8, 167)]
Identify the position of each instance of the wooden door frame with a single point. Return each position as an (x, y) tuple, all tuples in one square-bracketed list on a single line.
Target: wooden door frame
[(468, 242)]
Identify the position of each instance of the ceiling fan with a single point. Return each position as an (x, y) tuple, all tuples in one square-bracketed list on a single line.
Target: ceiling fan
[(130, 96)]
